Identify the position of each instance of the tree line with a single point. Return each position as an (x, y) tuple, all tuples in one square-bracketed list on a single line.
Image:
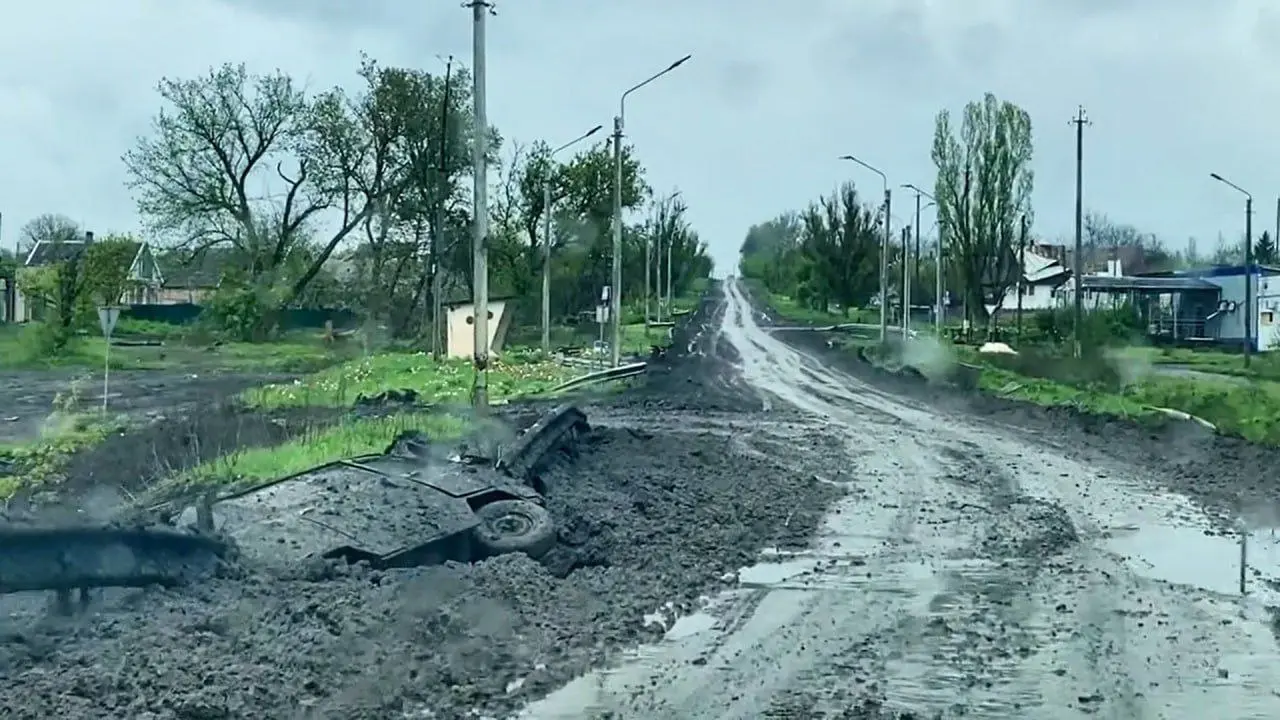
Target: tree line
[(827, 255), (362, 199)]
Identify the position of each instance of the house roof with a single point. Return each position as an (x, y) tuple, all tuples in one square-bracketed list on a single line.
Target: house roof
[(461, 302), (201, 270), (1129, 283), (46, 253)]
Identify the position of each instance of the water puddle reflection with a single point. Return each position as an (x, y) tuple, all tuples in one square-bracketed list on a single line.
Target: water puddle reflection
[(1195, 558)]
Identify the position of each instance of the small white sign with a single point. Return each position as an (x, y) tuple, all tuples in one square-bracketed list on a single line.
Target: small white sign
[(107, 317), (604, 294), (602, 314)]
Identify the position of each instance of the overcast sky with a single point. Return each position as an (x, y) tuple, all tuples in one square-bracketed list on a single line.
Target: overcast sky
[(750, 127)]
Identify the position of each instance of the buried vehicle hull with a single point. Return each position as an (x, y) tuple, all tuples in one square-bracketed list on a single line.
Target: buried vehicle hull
[(411, 505)]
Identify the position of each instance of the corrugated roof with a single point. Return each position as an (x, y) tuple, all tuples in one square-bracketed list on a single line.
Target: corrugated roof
[(1106, 283)]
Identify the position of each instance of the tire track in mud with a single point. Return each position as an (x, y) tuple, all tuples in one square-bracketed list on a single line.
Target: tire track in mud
[(965, 574)]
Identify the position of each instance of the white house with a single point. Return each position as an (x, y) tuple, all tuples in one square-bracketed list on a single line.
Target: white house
[(144, 278), (1042, 280)]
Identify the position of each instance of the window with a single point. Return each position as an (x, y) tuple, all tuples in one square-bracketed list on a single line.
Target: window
[(1268, 317)]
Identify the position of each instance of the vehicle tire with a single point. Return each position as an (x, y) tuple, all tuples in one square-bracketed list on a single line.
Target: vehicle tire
[(508, 526)]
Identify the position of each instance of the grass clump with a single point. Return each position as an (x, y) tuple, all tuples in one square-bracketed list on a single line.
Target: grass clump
[(41, 464), (362, 436), (449, 380)]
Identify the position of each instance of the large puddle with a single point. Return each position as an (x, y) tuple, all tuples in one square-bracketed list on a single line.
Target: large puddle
[(1158, 536), (1199, 558)]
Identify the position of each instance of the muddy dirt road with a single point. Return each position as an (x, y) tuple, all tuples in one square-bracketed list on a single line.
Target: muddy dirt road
[(969, 572)]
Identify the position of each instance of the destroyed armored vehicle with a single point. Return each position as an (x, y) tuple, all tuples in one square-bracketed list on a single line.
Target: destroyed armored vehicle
[(414, 504)]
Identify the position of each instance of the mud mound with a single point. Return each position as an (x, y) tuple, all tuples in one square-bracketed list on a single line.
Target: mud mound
[(698, 373), (651, 520)]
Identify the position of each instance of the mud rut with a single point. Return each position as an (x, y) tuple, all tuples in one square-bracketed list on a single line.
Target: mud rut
[(954, 574)]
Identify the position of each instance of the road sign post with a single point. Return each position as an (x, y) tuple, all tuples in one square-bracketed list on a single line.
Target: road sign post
[(107, 318)]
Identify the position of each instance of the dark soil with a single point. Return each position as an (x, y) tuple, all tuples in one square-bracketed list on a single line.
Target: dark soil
[(27, 396), (664, 497), (1226, 475)]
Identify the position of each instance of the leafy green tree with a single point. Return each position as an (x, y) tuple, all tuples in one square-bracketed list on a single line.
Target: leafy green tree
[(983, 190), (827, 254), (105, 269)]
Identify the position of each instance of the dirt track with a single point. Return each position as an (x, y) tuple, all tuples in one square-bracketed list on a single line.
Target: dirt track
[(27, 396), (1008, 571)]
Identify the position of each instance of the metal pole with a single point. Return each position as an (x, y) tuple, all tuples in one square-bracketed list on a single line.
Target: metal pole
[(1077, 271), (546, 266), (669, 308), (480, 211), (1022, 270), (615, 291), (906, 281), (1248, 264), (885, 243), (915, 265), (106, 375), (657, 278), (437, 282), (884, 269), (940, 307), (1248, 280), (648, 264)]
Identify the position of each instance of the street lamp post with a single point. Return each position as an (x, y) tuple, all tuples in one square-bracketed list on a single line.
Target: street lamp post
[(938, 301), (884, 249), (615, 293), (672, 198), (546, 236), (1248, 264)]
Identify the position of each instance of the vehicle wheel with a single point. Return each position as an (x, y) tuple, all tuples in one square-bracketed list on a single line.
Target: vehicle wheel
[(508, 526)]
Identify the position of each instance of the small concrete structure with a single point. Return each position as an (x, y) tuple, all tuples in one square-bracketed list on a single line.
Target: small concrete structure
[(460, 340)]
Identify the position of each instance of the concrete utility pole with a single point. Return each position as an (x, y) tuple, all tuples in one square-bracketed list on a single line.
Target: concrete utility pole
[(1022, 268), (437, 282), (884, 248), (480, 10), (1248, 264), (546, 236), (1077, 270), (615, 294), (937, 320), (906, 282)]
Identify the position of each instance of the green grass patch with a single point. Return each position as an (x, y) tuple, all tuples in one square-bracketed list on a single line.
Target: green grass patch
[(355, 437), (40, 464), (1249, 409), (446, 381), (23, 347)]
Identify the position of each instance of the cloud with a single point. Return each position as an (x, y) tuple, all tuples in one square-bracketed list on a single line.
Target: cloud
[(750, 127)]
